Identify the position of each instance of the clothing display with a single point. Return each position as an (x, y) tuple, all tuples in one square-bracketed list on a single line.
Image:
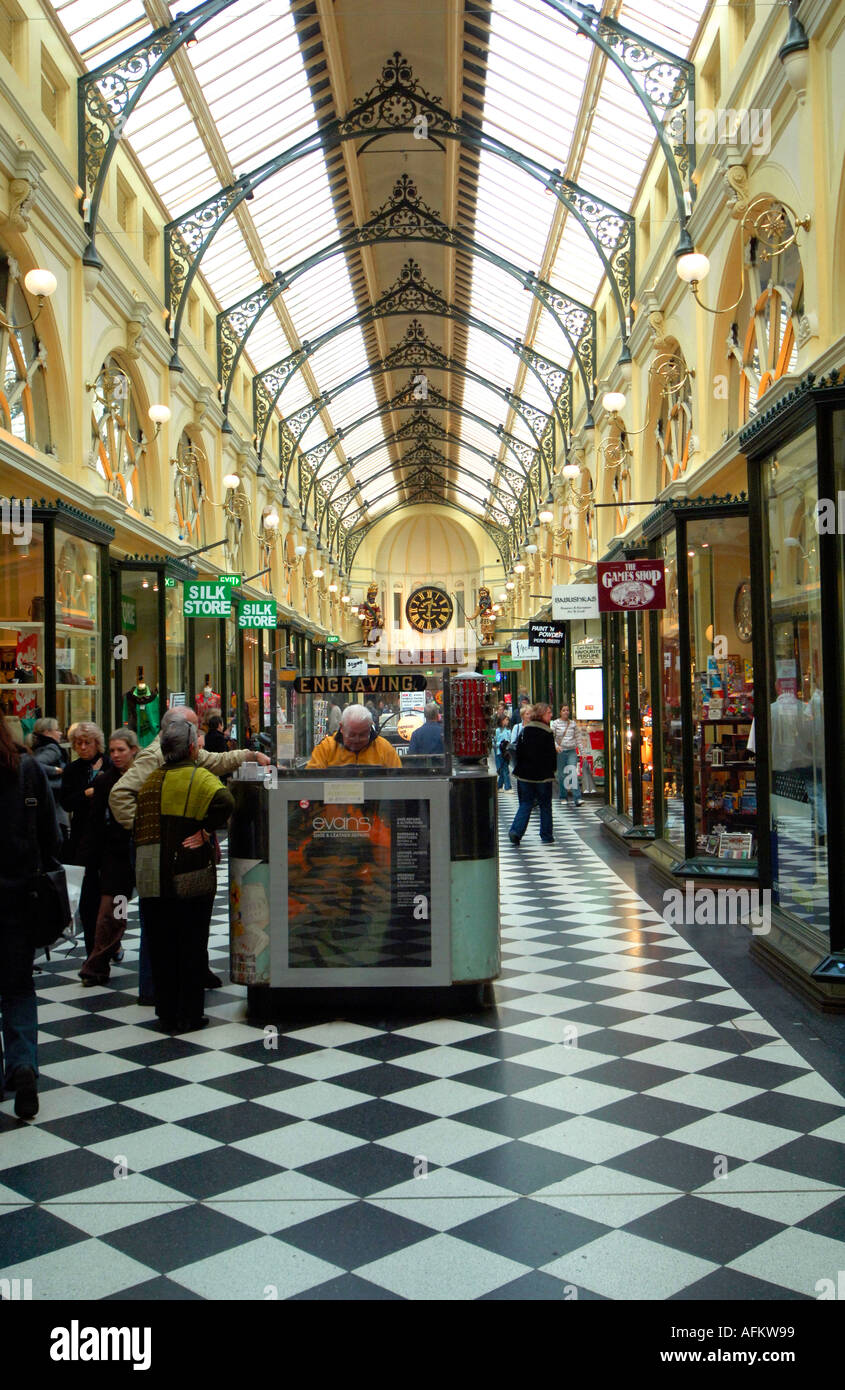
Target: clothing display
[(141, 712)]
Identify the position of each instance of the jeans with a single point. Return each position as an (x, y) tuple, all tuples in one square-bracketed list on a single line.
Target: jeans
[(177, 936), (503, 769), (567, 779), (528, 793), (18, 1005)]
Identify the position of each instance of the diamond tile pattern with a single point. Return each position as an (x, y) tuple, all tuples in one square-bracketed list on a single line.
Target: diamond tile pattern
[(621, 1123)]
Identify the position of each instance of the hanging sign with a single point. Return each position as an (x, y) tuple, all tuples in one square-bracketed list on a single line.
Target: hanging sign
[(356, 666), (521, 650), (546, 634), (206, 598), (233, 580), (257, 612), (574, 601), (586, 654), (509, 663), (332, 638), (359, 685), (629, 585)]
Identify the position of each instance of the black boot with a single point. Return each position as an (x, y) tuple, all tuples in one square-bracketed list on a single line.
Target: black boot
[(26, 1093)]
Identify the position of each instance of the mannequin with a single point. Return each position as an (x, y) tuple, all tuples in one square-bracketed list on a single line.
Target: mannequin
[(141, 710), (208, 700)]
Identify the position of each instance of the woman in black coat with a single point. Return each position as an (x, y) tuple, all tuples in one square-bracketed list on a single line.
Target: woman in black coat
[(534, 770), (109, 856), (45, 747), (76, 797)]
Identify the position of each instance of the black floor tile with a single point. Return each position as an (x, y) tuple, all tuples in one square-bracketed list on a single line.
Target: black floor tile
[(511, 1116), (385, 1047), (673, 1164), (533, 1288), (50, 1178), (383, 1080), (706, 1229), (520, 1167), (789, 1112), (131, 1085), (208, 1174), (258, 1082), (90, 1127), (178, 1238), (811, 1157), (346, 1288), (729, 1286), (753, 1071), (630, 1074), (27, 1232), (531, 1233), (649, 1113), (375, 1119), (158, 1290), (355, 1234), (828, 1221), (506, 1078), (230, 1123), (363, 1171)]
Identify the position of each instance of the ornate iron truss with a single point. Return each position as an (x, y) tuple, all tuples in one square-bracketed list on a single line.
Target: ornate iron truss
[(576, 321)]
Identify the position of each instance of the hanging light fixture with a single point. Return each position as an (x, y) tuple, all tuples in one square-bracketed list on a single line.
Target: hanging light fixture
[(231, 480), (546, 516), (41, 283)]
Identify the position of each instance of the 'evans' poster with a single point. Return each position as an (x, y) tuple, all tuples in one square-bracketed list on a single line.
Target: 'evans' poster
[(359, 884)]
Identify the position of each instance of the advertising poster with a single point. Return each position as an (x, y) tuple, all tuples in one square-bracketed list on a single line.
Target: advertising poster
[(359, 884), (249, 920)]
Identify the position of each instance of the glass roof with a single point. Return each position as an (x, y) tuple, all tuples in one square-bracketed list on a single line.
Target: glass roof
[(244, 92)]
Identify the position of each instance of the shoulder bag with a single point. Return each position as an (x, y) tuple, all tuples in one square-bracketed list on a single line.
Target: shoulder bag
[(193, 871), (49, 907)]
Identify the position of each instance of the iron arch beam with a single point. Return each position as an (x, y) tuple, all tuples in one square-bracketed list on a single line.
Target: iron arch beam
[(576, 321)]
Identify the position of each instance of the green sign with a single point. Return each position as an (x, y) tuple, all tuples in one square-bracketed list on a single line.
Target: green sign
[(128, 614), (233, 579), (491, 676), (257, 613), (509, 663), (206, 599), (332, 638), (169, 582)]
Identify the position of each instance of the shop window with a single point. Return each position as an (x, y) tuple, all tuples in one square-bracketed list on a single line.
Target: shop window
[(762, 340), (78, 681), (139, 702), (23, 393), (722, 673), (117, 441), (174, 644), (22, 629), (189, 469), (126, 204), (671, 732), (798, 774)]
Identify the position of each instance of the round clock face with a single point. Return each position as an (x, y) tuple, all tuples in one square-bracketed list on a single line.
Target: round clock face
[(429, 609), (742, 611)]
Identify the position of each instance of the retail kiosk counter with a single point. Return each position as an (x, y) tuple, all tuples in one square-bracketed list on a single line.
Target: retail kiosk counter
[(363, 877)]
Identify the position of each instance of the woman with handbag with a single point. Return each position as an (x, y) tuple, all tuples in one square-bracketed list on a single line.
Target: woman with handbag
[(109, 855), (30, 841), (76, 796), (179, 806), (502, 749)]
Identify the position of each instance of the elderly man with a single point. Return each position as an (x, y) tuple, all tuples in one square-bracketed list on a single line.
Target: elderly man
[(356, 741), (428, 738), (123, 804)]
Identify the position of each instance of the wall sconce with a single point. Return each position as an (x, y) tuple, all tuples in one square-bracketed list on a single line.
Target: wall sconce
[(519, 568), (794, 55), (41, 283), (159, 414), (767, 220)]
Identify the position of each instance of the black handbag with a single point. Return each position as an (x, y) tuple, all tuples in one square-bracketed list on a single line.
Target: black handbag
[(48, 905), (194, 871)]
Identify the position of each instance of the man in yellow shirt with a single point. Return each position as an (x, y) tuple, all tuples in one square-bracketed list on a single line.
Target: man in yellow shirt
[(356, 742)]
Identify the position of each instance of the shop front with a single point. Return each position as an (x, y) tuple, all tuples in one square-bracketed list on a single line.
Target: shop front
[(796, 464), (151, 642), (53, 650)]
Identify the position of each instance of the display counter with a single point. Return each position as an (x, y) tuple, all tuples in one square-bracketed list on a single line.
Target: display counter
[(365, 877)]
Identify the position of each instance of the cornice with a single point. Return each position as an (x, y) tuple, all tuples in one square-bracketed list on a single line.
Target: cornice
[(808, 386)]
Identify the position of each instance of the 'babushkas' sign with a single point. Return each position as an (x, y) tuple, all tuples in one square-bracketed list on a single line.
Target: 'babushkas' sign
[(625, 585)]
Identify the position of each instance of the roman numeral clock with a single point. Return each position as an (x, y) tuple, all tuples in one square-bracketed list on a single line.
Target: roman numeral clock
[(429, 609)]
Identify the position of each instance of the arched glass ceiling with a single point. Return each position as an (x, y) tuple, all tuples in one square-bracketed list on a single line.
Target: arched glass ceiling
[(245, 91)]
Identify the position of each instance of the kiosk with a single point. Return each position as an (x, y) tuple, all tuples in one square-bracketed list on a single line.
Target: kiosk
[(366, 875)]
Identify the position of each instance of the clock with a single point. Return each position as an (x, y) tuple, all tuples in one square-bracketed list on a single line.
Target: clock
[(429, 609), (742, 611)]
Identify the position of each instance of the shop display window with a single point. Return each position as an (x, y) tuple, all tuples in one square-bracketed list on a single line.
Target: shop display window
[(644, 699), (722, 675), (22, 629), (208, 696), (798, 773), (670, 678), (174, 643), (139, 700), (78, 686)]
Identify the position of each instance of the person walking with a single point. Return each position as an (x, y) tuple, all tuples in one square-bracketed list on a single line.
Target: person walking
[(179, 806), (110, 856), (502, 748), (566, 735), (22, 780), (534, 770), (76, 796), (44, 745)]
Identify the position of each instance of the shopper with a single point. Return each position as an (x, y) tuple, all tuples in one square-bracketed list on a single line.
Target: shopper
[(44, 743), (179, 806), (502, 750), (110, 856), (76, 795), (215, 740), (428, 738), (566, 736), (536, 765), (519, 713), (21, 778)]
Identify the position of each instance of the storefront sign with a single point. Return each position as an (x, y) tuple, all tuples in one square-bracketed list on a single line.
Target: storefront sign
[(359, 685), (509, 663), (257, 613), (574, 601), (128, 613), (524, 651), (586, 654), (630, 585), (546, 634), (356, 666), (206, 599)]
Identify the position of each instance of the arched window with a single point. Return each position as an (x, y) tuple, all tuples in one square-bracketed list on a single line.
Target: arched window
[(762, 337), (672, 406), (23, 388), (117, 444), (188, 472)]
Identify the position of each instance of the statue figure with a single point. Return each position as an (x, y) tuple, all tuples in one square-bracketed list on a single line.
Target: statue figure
[(488, 618), (370, 614)]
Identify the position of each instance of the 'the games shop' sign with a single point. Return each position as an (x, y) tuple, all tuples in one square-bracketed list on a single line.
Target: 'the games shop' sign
[(625, 585)]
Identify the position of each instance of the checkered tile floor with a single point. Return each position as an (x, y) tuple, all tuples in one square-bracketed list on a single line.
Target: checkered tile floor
[(802, 868), (620, 1126)]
